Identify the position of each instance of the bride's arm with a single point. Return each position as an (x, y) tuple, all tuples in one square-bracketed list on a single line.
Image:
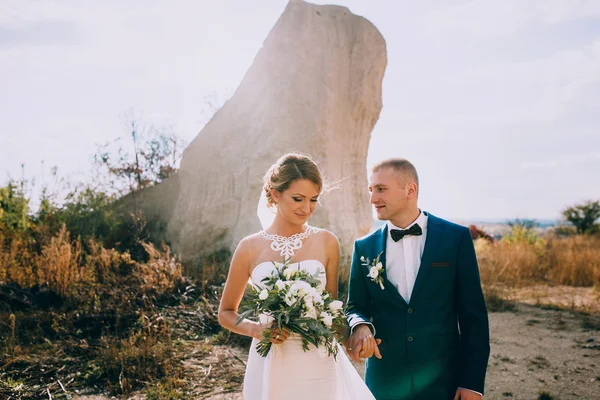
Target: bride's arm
[(333, 263), (237, 279), (332, 268)]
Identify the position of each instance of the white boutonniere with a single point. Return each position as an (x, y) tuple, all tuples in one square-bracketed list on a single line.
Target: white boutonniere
[(375, 269)]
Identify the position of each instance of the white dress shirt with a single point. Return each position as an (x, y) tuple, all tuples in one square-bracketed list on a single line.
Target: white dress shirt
[(403, 258)]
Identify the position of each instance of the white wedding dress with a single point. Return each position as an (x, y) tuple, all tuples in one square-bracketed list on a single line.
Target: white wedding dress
[(289, 373)]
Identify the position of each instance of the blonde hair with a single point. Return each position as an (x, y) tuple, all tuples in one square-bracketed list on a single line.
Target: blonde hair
[(287, 169), (400, 165)]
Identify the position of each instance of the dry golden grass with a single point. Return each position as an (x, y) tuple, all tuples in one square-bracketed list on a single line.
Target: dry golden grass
[(576, 261), (210, 273), (107, 264), (59, 265), (162, 273), (143, 356), (571, 261), (97, 307), (210, 269), (16, 261)]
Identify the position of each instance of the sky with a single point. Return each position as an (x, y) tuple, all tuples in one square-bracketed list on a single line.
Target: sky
[(496, 102)]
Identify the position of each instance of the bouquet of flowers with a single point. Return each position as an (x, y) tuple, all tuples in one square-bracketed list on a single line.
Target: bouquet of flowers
[(294, 299)]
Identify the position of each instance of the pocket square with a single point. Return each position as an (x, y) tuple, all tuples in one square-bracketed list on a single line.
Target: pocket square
[(440, 264)]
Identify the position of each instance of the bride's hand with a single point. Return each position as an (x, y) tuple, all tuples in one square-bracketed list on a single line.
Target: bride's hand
[(276, 336), (362, 344), (279, 336)]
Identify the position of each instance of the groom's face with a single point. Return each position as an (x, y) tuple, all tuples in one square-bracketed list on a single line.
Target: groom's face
[(389, 193)]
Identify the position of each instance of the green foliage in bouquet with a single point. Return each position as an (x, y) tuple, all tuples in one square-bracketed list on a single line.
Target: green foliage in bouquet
[(293, 299)]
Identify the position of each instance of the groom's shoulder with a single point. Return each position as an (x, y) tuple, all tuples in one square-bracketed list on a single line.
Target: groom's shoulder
[(449, 226), (369, 236)]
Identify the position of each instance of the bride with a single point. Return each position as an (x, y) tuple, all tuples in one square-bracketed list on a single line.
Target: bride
[(292, 185)]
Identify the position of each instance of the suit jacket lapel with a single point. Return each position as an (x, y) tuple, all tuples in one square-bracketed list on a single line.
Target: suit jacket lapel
[(434, 234), (381, 245), (390, 289)]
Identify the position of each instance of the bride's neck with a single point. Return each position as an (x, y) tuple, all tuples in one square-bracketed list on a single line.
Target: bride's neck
[(284, 228)]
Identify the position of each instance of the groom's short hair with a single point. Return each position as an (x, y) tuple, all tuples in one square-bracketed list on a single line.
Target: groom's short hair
[(400, 165)]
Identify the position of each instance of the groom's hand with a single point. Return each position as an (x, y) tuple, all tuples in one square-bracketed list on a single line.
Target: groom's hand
[(362, 344)]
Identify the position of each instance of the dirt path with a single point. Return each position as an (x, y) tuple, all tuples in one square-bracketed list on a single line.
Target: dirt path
[(536, 350)]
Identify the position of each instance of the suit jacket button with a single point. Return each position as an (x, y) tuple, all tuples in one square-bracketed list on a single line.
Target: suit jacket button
[(410, 338), (409, 310)]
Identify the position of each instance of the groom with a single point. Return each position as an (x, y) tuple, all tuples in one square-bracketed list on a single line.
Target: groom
[(425, 304)]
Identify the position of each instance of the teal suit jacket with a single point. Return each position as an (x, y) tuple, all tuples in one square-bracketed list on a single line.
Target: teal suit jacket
[(437, 342)]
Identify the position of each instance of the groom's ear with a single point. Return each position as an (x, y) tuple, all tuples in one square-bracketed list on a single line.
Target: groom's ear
[(412, 190)]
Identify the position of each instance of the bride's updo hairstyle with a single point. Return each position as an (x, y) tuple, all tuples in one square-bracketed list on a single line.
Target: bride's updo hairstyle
[(287, 169)]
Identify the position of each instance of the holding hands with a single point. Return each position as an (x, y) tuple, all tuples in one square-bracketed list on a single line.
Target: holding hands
[(362, 344)]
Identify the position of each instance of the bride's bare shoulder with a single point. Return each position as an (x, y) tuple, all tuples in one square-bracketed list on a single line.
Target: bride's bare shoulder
[(249, 247), (254, 237), (250, 241), (328, 236)]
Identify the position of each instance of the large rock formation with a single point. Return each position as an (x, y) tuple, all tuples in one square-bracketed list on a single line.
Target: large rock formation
[(314, 87)]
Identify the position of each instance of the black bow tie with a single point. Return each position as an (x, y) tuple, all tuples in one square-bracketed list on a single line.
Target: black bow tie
[(398, 234)]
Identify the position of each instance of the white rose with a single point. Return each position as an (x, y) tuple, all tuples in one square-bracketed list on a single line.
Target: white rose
[(327, 319), (309, 302), (336, 305), (290, 300), (301, 287), (263, 295), (290, 272), (315, 295), (379, 265), (280, 284), (311, 313), (318, 299), (373, 272)]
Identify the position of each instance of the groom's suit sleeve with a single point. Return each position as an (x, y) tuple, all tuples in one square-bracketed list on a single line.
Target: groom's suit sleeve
[(472, 318), (359, 300)]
